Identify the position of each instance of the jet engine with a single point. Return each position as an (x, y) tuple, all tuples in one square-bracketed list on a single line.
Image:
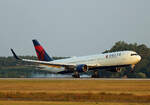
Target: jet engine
[(82, 68)]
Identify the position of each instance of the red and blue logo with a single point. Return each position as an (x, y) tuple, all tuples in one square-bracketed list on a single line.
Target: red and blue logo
[(41, 53)]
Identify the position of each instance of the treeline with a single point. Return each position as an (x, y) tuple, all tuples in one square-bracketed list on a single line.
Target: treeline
[(9, 67)]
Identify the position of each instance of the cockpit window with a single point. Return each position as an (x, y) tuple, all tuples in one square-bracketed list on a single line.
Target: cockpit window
[(134, 54)]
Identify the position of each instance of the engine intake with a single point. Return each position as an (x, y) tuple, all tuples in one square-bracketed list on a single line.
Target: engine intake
[(82, 68)]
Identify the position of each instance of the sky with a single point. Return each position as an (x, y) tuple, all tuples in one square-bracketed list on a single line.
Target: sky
[(72, 27)]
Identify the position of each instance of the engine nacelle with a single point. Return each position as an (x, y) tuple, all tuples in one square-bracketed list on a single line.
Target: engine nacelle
[(82, 68)]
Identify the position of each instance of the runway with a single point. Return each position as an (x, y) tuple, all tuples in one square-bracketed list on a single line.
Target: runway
[(121, 79)]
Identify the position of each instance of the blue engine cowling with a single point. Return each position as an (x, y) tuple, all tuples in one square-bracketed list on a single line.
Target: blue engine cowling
[(82, 68)]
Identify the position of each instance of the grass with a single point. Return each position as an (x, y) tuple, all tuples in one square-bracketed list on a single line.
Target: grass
[(64, 103), (90, 91), (77, 86)]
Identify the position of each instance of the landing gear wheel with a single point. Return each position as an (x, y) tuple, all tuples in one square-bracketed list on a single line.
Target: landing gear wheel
[(118, 69), (76, 75), (96, 74), (132, 68)]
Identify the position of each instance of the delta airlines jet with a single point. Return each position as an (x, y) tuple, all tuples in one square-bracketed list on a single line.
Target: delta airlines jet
[(76, 65)]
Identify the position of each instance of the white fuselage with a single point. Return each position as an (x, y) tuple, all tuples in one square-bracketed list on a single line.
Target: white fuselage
[(98, 60)]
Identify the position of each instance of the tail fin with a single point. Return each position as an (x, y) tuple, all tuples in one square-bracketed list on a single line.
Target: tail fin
[(41, 53)]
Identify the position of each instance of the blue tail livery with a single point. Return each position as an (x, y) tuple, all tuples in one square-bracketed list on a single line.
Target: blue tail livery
[(41, 53)]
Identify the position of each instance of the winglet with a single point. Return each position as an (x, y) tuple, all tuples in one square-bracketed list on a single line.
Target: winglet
[(14, 54)]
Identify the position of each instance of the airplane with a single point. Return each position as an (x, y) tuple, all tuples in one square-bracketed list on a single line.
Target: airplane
[(113, 62)]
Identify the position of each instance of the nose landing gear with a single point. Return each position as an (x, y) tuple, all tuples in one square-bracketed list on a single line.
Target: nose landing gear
[(132, 68)]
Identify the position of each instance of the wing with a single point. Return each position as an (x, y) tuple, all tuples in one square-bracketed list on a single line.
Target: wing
[(41, 62)]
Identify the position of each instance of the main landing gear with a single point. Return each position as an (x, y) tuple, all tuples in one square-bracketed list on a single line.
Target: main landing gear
[(95, 74), (76, 75)]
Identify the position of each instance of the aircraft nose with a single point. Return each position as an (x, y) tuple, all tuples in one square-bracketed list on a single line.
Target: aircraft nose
[(138, 58)]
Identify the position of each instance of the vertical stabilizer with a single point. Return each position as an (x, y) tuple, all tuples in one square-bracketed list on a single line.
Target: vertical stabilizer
[(41, 53)]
